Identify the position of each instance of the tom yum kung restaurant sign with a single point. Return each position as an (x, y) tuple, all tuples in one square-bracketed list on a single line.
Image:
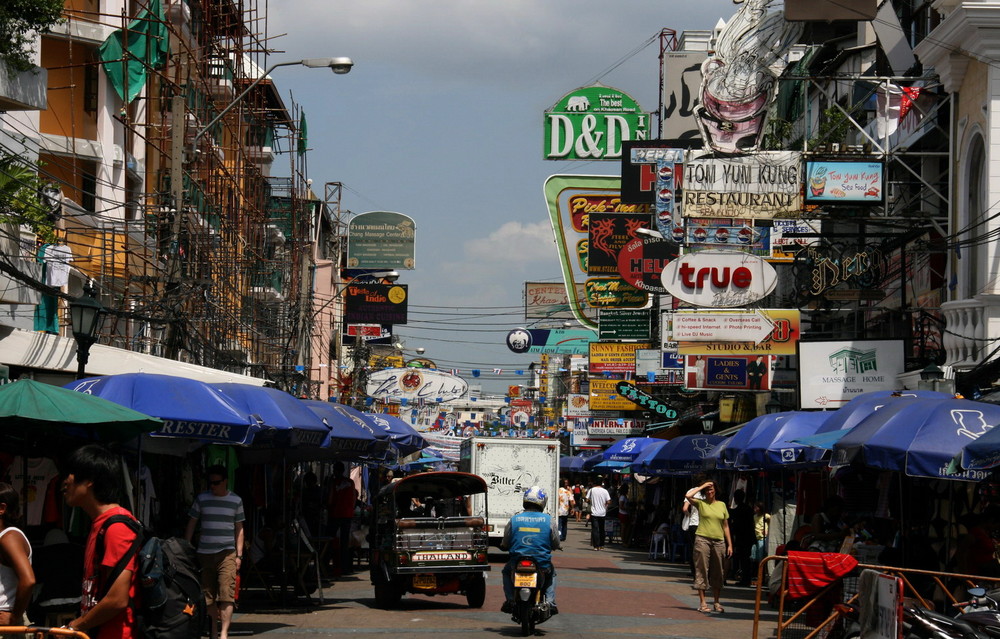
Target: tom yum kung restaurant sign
[(591, 123), (763, 185)]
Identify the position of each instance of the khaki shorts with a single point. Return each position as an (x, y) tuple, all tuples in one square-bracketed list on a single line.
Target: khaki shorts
[(218, 577)]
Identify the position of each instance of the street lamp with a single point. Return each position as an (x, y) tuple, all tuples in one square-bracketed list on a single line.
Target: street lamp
[(340, 66), (85, 313)]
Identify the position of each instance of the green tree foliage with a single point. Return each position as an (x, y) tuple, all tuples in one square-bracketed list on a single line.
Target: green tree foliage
[(21, 198), (20, 20)]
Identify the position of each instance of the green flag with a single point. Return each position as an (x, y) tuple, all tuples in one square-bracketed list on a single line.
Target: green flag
[(303, 141), (148, 46)]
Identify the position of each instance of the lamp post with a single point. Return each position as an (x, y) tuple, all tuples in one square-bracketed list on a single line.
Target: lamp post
[(85, 313), (932, 378)]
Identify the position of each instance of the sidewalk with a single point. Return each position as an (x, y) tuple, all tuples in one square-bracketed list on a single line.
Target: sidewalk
[(614, 591)]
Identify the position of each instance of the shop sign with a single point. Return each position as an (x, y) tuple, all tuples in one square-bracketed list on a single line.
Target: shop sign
[(570, 200), (625, 324), (577, 405), (591, 123), (645, 400), (642, 260), (655, 366), (613, 357), (555, 341), (681, 83), (720, 279), (622, 426), (837, 182), (731, 372), (549, 301), (375, 304), (366, 333), (781, 340), (415, 384), (608, 234), (736, 234), (607, 292), (749, 326), (382, 240), (764, 185), (784, 247), (835, 372), (639, 173)]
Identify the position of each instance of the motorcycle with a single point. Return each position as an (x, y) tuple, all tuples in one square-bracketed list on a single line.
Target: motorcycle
[(979, 618), (530, 605), (982, 611)]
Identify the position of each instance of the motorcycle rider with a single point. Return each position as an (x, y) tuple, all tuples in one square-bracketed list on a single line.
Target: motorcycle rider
[(531, 533)]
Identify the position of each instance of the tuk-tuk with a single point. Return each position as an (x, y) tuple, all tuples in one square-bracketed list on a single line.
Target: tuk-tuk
[(425, 539)]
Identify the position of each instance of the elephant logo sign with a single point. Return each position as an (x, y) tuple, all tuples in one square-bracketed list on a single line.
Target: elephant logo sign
[(578, 103)]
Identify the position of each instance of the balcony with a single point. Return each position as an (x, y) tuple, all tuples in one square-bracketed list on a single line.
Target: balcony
[(260, 154), (23, 91), (971, 326)]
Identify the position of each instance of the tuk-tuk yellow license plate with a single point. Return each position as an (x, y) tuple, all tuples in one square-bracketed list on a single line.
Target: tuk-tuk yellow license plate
[(424, 580), (525, 580)]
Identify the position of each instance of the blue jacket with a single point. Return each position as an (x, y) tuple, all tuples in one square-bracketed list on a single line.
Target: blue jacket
[(531, 534)]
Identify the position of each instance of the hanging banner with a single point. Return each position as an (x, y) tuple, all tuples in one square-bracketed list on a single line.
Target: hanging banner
[(381, 240)]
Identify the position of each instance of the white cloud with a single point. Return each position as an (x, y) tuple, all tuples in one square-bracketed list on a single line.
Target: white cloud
[(514, 243)]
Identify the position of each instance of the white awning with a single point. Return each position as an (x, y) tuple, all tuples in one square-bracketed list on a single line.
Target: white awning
[(53, 353)]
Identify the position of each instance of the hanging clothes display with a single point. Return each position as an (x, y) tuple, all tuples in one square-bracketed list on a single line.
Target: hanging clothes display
[(39, 472)]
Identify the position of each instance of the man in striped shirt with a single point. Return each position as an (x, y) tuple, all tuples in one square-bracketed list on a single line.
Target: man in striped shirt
[(220, 546)]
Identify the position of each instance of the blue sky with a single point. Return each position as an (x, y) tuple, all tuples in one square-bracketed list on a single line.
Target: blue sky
[(441, 119)]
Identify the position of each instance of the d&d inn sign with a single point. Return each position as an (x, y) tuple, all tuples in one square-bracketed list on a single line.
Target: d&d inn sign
[(591, 123)]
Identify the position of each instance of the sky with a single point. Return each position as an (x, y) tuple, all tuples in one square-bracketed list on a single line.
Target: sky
[(441, 119)]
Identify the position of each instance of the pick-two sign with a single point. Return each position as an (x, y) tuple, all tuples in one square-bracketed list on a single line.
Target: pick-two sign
[(645, 400)]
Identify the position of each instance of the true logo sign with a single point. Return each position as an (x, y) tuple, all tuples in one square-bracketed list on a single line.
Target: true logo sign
[(647, 401), (721, 279)]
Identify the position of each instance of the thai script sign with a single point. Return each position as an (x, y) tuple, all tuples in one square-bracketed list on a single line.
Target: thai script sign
[(591, 123), (381, 239), (765, 185)]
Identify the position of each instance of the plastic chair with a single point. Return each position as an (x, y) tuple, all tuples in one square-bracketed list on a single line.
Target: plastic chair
[(657, 547), (680, 549)]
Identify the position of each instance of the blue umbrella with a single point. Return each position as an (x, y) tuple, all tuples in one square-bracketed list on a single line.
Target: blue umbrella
[(824, 441), (572, 463), (292, 422), (771, 446), (726, 455), (686, 454), (349, 436), (919, 438), (980, 454), (406, 440), (189, 408), (625, 450), (850, 414), (640, 461)]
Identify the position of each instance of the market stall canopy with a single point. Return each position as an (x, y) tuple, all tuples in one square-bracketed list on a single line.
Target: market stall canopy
[(726, 455), (686, 454), (46, 410), (649, 451), (403, 436), (626, 450), (982, 453), (349, 437), (771, 446), (189, 409), (289, 422), (919, 438), (850, 414), (575, 463)]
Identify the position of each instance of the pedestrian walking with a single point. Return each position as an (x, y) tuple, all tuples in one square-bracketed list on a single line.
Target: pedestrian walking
[(17, 579), (220, 546), (741, 528), (340, 508), (93, 484), (578, 502), (565, 505), (712, 545), (599, 498), (689, 520)]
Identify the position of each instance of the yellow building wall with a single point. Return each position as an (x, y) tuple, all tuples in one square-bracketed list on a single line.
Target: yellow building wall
[(65, 116)]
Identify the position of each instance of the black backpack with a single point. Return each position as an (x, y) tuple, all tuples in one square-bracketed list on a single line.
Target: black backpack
[(171, 604)]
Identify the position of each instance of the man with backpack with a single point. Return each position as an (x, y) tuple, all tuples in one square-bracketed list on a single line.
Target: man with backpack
[(220, 546), (92, 483)]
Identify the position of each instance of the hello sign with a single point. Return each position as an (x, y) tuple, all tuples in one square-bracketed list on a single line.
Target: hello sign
[(721, 279)]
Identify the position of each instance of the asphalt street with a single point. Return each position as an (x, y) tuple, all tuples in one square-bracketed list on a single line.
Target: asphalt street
[(616, 591)]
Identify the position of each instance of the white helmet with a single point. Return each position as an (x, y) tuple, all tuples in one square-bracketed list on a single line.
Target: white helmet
[(536, 496)]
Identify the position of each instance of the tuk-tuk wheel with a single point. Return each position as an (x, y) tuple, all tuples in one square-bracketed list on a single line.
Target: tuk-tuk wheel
[(475, 591), (387, 596)]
